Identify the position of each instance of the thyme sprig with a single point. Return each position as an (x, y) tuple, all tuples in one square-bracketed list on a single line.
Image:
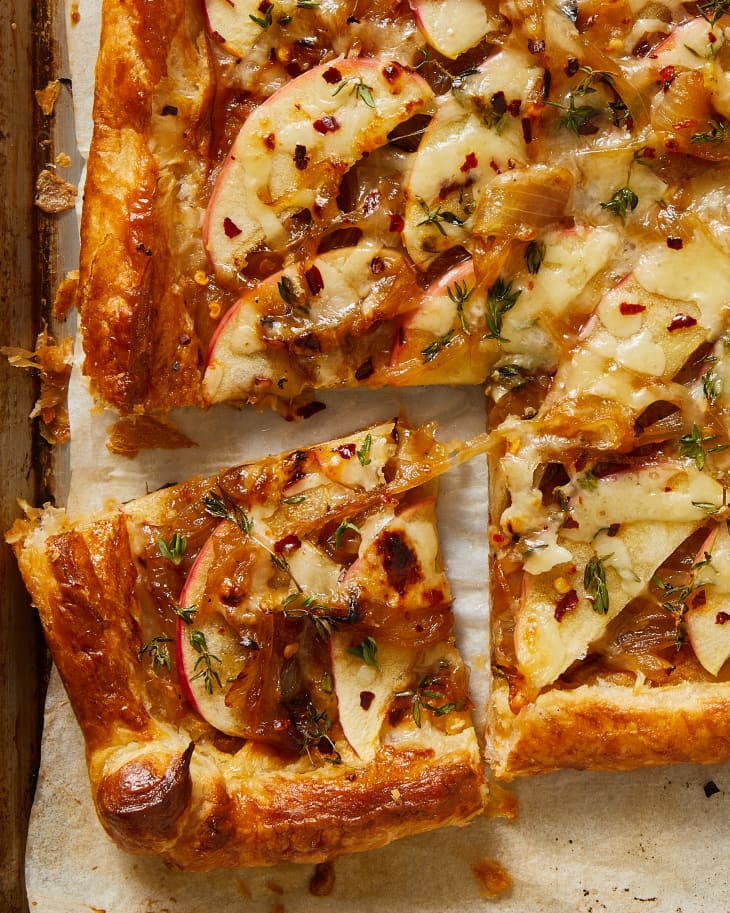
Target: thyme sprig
[(222, 506), (594, 582), (713, 10), (158, 652), (500, 299), (623, 201), (677, 598), (424, 694), (438, 345), (715, 135), (460, 294), (693, 445), (436, 217), (312, 731), (358, 88), (534, 255), (204, 662), (267, 19), (312, 608)]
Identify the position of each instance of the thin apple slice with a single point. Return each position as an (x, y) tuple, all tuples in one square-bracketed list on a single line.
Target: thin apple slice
[(467, 143), (291, 153), (649, 513), (440, 341), (451, 27), (303, 311), (365, 691), (708, 616), (209, 635)]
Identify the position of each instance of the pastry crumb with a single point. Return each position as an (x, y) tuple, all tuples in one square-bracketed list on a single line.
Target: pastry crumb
[(134, 433), (493, 878), (502, 803), (323, 880), (66, 295), (48, 97), (53, 194)]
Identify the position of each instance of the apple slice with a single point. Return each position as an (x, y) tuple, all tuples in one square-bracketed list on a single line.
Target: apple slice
[(654, 511), (214, 637), (707, 620), (291, 153), (303, 310), (467, 143), (451, 27), (364, 692)]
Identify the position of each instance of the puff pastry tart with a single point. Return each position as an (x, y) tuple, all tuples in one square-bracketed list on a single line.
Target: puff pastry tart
[(263, 662)]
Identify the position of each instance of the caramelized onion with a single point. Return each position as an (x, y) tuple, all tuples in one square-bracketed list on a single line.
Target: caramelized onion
[(518, 203), (686, 121)]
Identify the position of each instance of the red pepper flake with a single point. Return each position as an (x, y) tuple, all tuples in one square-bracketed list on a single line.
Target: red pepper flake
[(270, 141), (288, 544), (628, 308), (470, 162), (377, 266), (314, 279), (230, 228), (495, 167), (641, 49), (347, 451), (711, 37), (675, 243), (391, 72), (613, 529), (668, 75), (689, 124), (397, 222), (527, 130), (721, 618), (682, 322), (301, 159), (570, 523), (366, 699), (514, 106), (566, 604), (332, 75), (697, 600), (535, 45), (326, 124)]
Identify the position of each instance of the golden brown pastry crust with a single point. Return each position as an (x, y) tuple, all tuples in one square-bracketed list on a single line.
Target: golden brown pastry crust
[(610, 727), (139, 339), (163, 781)]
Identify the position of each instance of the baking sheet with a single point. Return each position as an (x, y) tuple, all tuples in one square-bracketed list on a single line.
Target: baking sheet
[(647, 841)]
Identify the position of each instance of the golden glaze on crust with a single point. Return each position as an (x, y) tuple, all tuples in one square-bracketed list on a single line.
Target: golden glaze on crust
[(163, 779), (139, 339), (610, 727)]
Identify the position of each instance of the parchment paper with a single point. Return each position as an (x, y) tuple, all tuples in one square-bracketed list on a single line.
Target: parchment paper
[(650, 841)]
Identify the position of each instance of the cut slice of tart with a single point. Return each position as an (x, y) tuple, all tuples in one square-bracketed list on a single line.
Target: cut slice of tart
[(263, 662)]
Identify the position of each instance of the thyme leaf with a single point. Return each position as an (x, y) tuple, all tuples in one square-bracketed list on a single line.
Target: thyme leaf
[(367, 651), (363, 454), (342, 529), (174, 550), (433, 349), (267, 19), (534, 255)]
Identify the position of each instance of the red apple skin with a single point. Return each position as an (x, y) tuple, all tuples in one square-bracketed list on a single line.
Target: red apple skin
[(232, 193), (464, 272), (198, 570)]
